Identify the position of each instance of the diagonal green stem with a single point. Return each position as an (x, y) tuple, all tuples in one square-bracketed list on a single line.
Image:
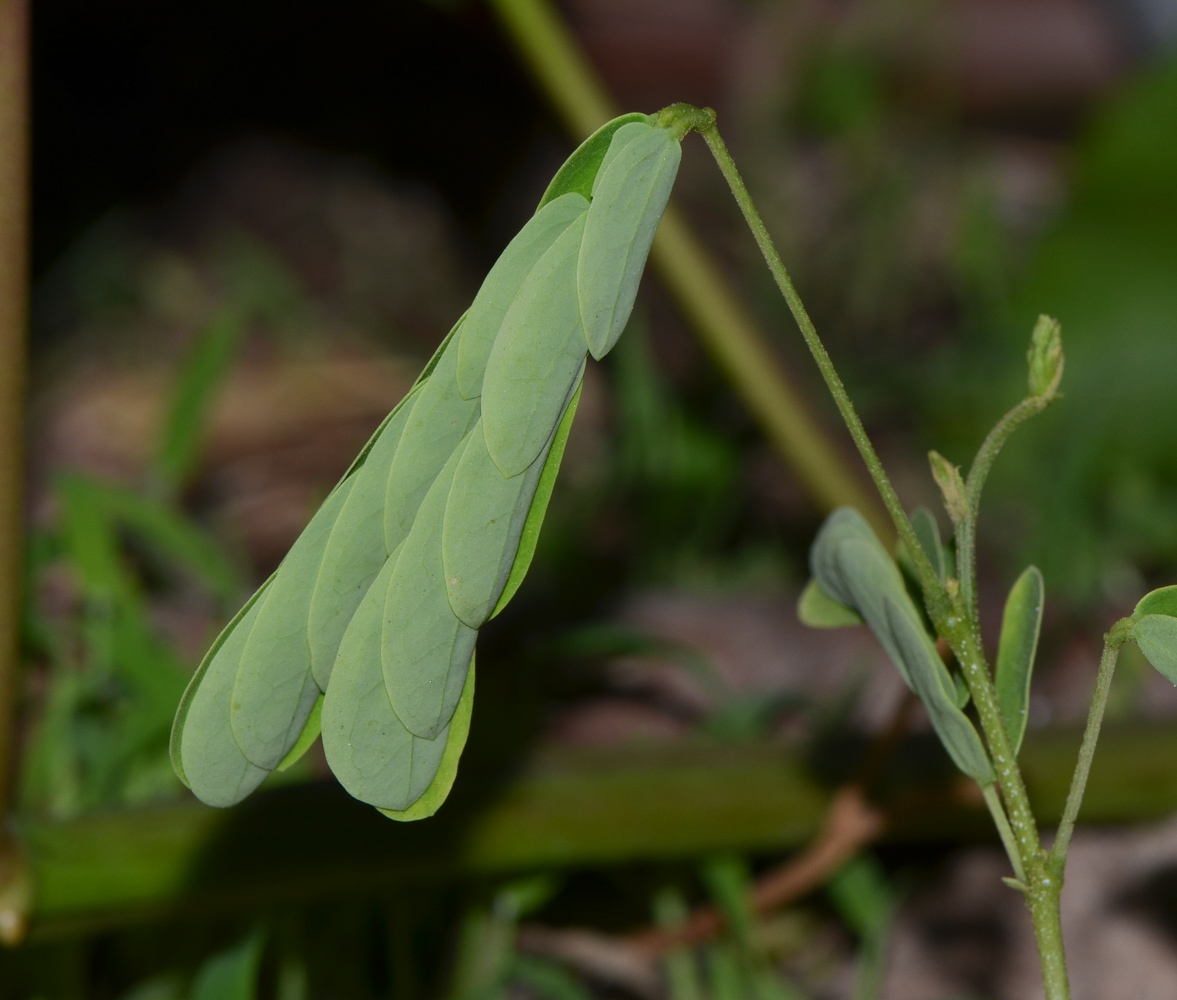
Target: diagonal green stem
[(966, 532), (927, 574), (1103, 684), (1004, 830)]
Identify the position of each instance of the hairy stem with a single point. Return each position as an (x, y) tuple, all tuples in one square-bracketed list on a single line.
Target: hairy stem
[(927, 574), (1099, 701), (966, 533)]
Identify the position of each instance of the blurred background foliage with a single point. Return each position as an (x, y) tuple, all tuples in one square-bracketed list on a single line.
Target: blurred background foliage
[(252, 224)]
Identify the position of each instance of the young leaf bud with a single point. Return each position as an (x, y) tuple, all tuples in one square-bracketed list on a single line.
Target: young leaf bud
[(1045, 357), (951, 485)]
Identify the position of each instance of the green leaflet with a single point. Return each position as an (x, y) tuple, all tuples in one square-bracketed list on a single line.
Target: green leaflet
[(536, 358), (1156, 635), (817, 609), (1020, 625), (425, 647), (310, 733), (275, 691), (355, 550), (539, 503), (483, 523), (438, 421), (927, 531), (621, 138), (1158, 602), (936, 690), (204, 753), (627, 206), (455, 742), (368, 748), (581, 168), (502, 284)]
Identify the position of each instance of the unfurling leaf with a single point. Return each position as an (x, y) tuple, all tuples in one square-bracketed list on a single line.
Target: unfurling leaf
[(952, 487), (1020, 625), (1045, 358), (817, 609)]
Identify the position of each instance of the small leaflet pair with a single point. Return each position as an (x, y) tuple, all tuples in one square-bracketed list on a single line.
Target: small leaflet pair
[(856, 580), (366, 631)]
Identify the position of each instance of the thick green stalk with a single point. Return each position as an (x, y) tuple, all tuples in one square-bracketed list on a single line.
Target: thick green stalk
[(949, 616)]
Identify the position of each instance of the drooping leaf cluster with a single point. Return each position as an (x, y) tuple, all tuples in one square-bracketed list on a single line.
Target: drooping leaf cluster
[(367, 628)]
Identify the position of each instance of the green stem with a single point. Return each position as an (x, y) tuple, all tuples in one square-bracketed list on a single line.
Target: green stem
[(932, 588), (1103, 684), (1001, 821), (966, 532)]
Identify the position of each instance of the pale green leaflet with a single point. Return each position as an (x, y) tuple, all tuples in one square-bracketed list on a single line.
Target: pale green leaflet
[(536, 357), (502, 284), (628, 201), (1020, 625), (366, 631), (356, 549), (275, 690)]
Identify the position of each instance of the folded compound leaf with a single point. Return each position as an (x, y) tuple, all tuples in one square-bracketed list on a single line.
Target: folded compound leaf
[(1156, 635), (425, 647), (439, 420), (484, 518), (852, 567), (1158, 602), (580, 170), (435, 524), (204, 752), (1020, 625), (275, 690), (934, 687), (447, 770), (355, 550), (502, 284), (539, 503), (536, 359), (817, 609), (367, 746), (629, 198)]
